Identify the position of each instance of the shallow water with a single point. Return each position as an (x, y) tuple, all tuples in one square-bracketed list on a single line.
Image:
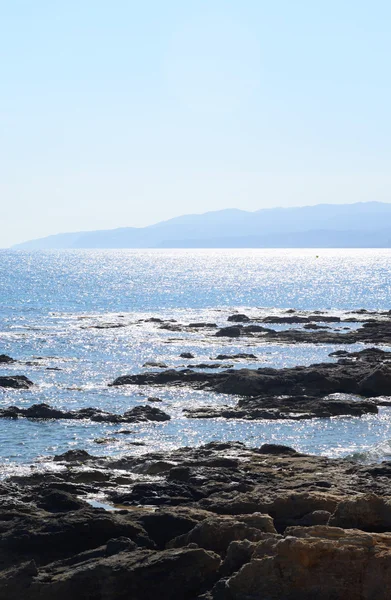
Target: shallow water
[(51, 302)]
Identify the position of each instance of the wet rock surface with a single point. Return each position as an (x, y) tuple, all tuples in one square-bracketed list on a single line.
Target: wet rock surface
[(259, 523), (44, 411), (287, 407), (5, 359), (19, 382), (299, 392), (371, 332)]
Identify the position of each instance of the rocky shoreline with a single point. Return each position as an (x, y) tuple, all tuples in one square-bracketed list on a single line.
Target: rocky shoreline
[(219, 522), (222, 521)]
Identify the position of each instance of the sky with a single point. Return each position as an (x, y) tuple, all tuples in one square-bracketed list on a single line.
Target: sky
[(126, 113)]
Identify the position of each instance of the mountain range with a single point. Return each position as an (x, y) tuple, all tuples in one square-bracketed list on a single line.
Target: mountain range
[(362, 225)]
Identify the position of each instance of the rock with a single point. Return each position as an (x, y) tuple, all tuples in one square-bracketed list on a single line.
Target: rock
[(121, 544), (285, 507), (317, 517), (138, 414), (209, 366), (277, 320), (145, 413), (154, 399), (241, 355), (171, 327), (298, 385), (279, 407), (239, 318), (54, 536), (5, 359), (238, 554), (158, 365), (60, 501), (165, 524), (201, 325), (277, 449), (316, 562), (153, 320), (376, 383), (106, 326), (15, 583), (368, 512), (217, 533), (16, 381), (222, 495), (186, 355), (229, 332), (73, 456), (139, 575), (156, 494)]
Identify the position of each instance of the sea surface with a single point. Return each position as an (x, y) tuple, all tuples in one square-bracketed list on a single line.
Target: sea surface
[(52, 301)]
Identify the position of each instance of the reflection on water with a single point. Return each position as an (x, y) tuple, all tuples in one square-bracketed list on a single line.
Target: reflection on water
[(52, 302)]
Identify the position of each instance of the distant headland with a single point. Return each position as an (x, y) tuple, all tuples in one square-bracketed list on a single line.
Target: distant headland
[(359, 225)]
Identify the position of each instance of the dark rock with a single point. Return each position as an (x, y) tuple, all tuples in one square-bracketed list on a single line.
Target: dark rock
[(145, 413), (360, 377), (201, 325), (73, 456), (295, 407), (294, 319), (277, 449), (137, 414), (121, 544), (165, 524), (241, 355), (158, 365), (137, 575), (217, 533), (367, 512), (187, 355), (229, 332), (59, 501), (20, 382), (4, 359), (107, 326), (239, 318), (209, 366), (157, 494)]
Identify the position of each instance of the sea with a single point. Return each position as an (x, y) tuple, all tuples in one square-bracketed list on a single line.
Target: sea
[(76, 320)]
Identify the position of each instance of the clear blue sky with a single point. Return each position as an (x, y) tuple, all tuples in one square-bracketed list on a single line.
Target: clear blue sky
[(126, 112)]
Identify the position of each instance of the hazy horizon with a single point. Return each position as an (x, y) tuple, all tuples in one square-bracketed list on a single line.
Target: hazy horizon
[(131, 114)]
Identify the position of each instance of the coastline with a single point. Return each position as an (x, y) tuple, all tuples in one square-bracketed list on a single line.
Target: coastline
[(224, 520)]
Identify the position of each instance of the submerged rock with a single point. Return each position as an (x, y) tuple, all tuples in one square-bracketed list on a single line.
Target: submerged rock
[(209, 366), (240, 355)]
